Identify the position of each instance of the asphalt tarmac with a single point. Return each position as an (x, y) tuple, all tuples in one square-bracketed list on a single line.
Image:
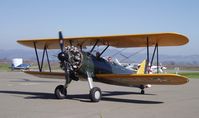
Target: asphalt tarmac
[(25, 96)]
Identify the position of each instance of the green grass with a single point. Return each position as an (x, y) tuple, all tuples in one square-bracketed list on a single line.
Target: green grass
[(4, 67), (190, 74)]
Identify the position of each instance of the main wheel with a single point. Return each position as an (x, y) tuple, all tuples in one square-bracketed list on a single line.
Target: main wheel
[(60, 92), (95, 94)]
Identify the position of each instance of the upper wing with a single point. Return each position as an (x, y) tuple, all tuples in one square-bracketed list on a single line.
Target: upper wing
[(143, 79), (119, 41)]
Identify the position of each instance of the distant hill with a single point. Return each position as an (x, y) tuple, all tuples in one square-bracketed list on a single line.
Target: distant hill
[(164, 59), (20, 53)]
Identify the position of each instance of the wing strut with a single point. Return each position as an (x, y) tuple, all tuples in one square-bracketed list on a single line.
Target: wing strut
[(157, 58), (49, 66), (71, 44), (104, 50), (42, 61), (147, 62), (94, 46), (35, 47), (40, 65), (153, 55)]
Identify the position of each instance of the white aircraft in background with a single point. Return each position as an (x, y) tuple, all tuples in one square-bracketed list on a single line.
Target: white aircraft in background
[(135, 66), (161, 69), (17, 64)]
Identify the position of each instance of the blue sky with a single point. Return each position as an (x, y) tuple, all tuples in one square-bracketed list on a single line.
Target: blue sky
[(27, 19)]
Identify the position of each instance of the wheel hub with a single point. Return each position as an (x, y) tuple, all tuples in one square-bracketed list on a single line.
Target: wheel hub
[(97, 95)]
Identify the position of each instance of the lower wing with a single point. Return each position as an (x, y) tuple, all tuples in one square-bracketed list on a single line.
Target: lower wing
[(53, 75), (143, 79), (124, 79), (50, 75)]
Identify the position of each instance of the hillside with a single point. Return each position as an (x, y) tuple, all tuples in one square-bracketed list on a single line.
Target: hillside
[(189, 60)]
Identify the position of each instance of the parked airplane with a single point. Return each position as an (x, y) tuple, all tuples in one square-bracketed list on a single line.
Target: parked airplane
[(21, 67), (78, 64), (158, 69), (17, 64)]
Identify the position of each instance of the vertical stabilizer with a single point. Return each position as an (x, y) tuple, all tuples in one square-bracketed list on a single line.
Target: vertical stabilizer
[(142, 67)]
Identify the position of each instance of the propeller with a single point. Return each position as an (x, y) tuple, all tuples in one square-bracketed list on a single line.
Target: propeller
[(70, 59), (64, 59)]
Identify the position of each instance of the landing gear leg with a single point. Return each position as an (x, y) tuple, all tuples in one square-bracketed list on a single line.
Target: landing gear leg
[(61, 90), (95, 92)]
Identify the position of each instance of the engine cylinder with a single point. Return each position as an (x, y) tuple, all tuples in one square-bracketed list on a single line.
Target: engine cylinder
[(71, 55)]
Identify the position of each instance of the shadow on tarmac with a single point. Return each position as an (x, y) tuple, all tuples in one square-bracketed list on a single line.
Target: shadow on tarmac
[(34, 81), (84, 97), (31, 95)]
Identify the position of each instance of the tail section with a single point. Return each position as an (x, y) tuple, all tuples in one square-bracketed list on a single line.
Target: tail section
[(142, 68)]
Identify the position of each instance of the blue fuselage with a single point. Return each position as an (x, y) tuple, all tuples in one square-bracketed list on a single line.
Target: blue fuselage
[(99, 65)]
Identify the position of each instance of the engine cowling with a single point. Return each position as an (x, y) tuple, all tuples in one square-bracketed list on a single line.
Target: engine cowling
[(74, 57)]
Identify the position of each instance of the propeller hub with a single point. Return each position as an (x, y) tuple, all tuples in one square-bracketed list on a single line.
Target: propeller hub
[(62, 56)]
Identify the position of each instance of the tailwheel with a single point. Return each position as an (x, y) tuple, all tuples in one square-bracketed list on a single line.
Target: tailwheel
[(142, 91), (95, 94), (60, 92)]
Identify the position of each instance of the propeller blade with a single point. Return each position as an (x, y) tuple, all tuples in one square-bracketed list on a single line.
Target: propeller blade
[(61, 41), (63, 58)]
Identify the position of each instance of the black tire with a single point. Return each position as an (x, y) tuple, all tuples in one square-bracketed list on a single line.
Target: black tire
[(142, 92), (95, 94), (60, 92)]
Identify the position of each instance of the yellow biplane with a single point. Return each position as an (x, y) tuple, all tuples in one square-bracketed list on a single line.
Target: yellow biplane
[(77, 63)]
